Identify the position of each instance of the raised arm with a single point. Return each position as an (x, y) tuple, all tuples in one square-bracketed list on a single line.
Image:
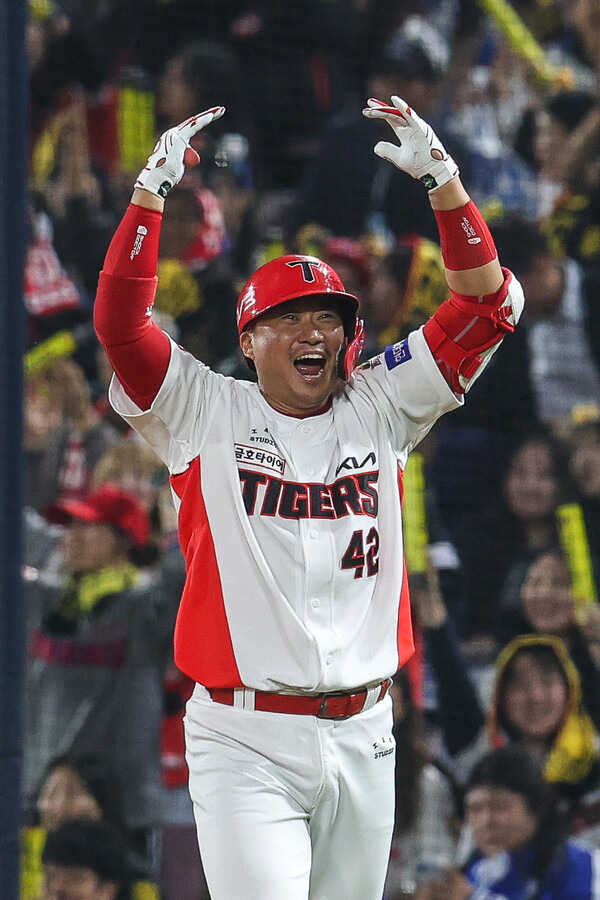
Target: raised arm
[(485, 300), (138, 350)]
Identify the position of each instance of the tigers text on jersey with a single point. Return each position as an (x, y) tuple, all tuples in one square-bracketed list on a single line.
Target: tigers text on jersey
[(292, 527)]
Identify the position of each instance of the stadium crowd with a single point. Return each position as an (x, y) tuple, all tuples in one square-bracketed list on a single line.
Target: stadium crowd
[(497, 716)]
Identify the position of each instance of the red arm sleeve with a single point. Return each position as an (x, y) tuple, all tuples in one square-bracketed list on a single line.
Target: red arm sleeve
[(138, 350)]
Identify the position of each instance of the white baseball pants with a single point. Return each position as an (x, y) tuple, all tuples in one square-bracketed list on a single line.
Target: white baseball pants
[(291, 807)]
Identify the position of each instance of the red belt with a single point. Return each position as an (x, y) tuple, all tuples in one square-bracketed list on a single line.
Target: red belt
[(334, 705)]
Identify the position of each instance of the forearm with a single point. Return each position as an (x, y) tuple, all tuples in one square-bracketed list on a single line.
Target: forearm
[(138, 350), (483, 279)]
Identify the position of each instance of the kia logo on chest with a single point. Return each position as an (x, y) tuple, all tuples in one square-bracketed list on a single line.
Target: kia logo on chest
[(351, 462)]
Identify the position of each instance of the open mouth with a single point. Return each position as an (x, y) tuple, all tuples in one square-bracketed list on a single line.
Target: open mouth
[(310, 365)]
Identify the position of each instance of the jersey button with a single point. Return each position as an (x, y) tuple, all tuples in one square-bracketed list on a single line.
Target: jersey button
[(329, 659), (314, 535), (306, 429), (316, 602)]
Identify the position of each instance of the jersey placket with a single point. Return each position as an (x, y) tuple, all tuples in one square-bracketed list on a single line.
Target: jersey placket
[(319, 547)]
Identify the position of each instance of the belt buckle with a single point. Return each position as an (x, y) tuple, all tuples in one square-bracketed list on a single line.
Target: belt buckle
[(322, 711)]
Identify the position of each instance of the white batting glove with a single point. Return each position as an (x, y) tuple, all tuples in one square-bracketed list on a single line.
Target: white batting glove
[(421, 153), (173, 154)]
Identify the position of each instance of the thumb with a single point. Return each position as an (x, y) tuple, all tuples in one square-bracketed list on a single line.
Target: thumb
[(386, 150)]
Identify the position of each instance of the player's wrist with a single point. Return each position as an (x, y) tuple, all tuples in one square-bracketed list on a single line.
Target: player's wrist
[(451, 195), (147, 199), (439, 175)]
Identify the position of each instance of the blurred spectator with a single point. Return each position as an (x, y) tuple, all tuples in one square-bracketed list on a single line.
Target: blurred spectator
[(293, 62), (41, 545), (407, 286), (63, 61), (560, 139), (584, 464), (562, 323), (133, 466), (519, 521), (346, 188), (351, 262), (517, 834), (75, 787), (52, 300), (426, 813), (547, 606), (86, 860), (536, 702), (64, 434), (191, 79), (492, 91), (195, 280), (99, 643), (78, 200), (577, 44), (146, 33)]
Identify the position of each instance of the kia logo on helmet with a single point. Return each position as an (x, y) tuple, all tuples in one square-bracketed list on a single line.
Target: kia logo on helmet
[(307, 268)]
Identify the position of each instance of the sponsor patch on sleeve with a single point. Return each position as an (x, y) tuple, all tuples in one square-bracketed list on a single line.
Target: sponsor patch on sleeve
[(396, 354)]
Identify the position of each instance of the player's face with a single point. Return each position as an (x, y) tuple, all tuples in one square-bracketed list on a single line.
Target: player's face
[(500, 819), (295, 348)]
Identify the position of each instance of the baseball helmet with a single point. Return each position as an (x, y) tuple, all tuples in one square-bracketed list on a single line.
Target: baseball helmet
[(290, 277)]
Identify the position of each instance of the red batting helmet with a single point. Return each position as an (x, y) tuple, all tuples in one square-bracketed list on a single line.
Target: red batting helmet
[(290, 277)]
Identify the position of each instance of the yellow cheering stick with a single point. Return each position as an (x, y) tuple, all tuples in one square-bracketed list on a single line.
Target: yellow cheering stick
[(574, 541), (59, 345), (523, 44), (414, 516)]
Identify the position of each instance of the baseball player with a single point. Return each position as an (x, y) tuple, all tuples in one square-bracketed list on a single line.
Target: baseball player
[(295, 612)]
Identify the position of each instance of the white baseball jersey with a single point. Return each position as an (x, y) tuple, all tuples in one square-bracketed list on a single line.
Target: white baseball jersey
[(292, 527)]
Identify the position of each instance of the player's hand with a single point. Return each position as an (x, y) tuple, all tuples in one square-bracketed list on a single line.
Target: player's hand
[(421, 153), (173, 154)]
